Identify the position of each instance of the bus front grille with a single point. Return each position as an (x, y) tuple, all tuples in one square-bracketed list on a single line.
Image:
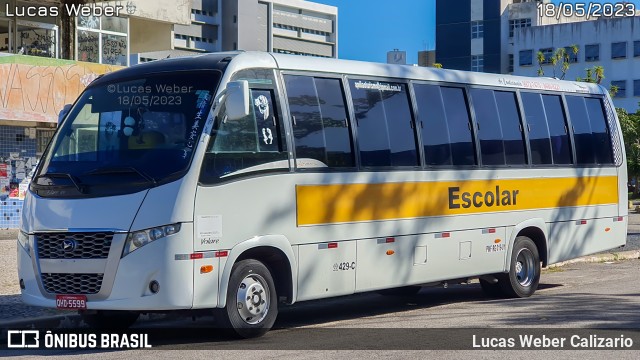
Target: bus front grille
[(73, 245), (80, 284)]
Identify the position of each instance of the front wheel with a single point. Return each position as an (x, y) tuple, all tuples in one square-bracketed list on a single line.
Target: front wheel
[(524, 270), (252, 305)]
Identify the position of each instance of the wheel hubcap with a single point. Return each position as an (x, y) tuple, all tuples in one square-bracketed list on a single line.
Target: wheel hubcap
[(253, 299), (525, 267)]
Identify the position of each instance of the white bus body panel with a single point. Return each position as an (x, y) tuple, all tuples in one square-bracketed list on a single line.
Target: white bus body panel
[(125, 283), (113, 212), (274, 212)]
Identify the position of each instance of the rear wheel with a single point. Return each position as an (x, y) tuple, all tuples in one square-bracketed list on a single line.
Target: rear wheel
[(103, 319), (252, 305), (524, 270)]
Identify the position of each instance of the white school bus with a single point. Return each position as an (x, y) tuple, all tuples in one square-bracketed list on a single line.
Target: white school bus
[(238, 181)]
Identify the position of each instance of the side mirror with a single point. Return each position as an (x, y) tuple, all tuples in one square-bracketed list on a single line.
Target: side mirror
[(237, 99), (63, 113)]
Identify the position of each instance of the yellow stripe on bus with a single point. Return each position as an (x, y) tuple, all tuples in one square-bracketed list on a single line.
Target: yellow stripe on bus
[(330, 204)]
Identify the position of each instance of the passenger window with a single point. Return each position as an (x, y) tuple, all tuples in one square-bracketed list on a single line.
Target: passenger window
[(489, 130), (499, 129), (459, 120), (556, 119), (582, 132), (538, 129), (512, 131), (320, 126), (601, 136), (435, 132), (249, 145), (384, 121)]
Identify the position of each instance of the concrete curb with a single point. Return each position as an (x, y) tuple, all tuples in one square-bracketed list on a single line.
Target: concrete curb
[(616, 256), (74, 320)]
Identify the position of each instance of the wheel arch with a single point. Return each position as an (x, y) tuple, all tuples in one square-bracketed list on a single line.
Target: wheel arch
[(276, 253), (536, 230)]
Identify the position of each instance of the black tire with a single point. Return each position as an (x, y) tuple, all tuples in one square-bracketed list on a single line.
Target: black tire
[(110, 319), (246, 318), (524, 270), (401, 291), (490, 289)]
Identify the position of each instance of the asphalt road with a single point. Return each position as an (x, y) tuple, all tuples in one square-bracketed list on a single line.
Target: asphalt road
[(577, 296)]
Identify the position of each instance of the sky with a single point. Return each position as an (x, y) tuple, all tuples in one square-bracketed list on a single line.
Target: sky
[(368, 29)]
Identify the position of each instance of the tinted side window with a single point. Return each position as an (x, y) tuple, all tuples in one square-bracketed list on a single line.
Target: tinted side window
[(320, 125), (581, 130), (601, 136), (435, 132), (489, 129), (593, 143), (538, 129), (556, 120), (511, 123), (455, 106), (383, 115)]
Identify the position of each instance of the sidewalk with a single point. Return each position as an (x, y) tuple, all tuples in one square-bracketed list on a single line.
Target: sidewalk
[(15, 314)]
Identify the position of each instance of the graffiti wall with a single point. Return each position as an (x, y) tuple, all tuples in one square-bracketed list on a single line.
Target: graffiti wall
[(36, 89)]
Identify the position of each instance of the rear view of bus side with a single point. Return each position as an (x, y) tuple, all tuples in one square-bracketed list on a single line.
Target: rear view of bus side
[(316, 178)]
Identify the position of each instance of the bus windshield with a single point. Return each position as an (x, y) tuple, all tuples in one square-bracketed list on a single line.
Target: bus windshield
[(125, 136)]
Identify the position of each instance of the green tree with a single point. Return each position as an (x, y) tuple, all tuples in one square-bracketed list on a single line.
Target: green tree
[(561, 58), (630, 125)]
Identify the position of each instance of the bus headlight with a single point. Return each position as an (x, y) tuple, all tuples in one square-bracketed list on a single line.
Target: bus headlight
[(141, 238), (23, 240)]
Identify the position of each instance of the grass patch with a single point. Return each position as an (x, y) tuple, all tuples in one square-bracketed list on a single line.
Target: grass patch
[(552, 269)]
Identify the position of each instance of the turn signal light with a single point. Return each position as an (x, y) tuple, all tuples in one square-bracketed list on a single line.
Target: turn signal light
[(205, 269)]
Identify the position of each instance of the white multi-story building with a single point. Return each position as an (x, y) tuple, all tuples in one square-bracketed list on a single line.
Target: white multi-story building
[(613, 44), (505, 36), (284, 26), (478, 35)]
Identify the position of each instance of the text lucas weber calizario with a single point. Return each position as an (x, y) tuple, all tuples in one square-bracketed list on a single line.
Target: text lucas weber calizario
[(71, 10)]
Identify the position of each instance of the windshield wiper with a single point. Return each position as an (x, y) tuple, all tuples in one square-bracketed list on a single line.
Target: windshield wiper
[(123, 170), (74, 180)]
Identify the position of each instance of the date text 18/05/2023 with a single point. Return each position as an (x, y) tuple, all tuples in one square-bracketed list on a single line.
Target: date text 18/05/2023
[(586, 10)]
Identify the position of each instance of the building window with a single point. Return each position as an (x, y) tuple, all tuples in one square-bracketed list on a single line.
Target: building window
[(517, 24), (510, 63), (43, 137), (103, 40), (636, 48), (477, 29), (592, 52), (35, 39), (573, 57), (636, 87), (526, 57), (547, 53), (622, 88), (477, 63), (619, 50)]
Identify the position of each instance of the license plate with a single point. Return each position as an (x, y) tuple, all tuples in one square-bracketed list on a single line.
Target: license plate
[(71, 302)]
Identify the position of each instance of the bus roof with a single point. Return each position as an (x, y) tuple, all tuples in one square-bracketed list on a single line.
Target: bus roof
[(238, 60)]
